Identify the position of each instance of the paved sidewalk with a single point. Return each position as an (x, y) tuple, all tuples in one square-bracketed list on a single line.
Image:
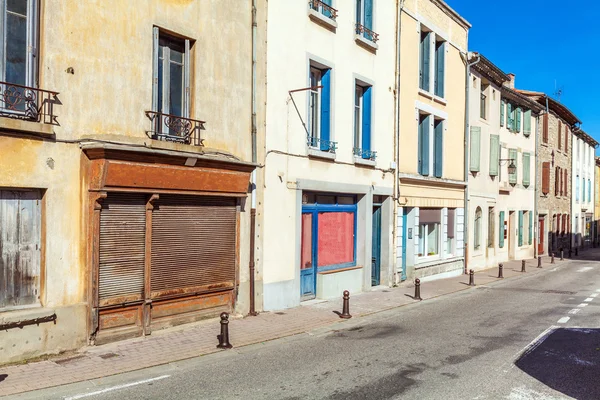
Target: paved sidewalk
[(198, 339)]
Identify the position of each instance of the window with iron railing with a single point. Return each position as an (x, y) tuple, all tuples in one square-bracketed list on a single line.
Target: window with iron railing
[(362, 122), (318, 128), (324, 7), (364, 20)]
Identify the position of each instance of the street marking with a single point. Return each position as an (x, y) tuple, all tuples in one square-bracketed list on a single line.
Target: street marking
[(598, 290), (584, 269), (594, 295), (564, 320), (588, 299), (574, 311), (118, 387), (582, 305)]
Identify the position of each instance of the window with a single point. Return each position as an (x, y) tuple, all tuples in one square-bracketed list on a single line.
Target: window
[(502, 109), (583, 190), (494, 154), (20, 226), (491, 227), (565, 183), (520, 228), (567, 133), (427, 41), (362, 122), (545, 178), (475, 149), (319, 110), (512, 155), (451, 231), (557, 182), (477, 229), (527, 123), (545, 131), (172, 73), (429, 232), (502, 227), (430, 149), (364, 18), (424, 60), (483, 102), (577, 188), (589, 187), (324, 7), (440, 50), (526, 169), (559, 134)]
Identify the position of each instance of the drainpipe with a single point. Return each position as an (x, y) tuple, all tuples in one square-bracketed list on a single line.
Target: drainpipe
[(467, 126), (535, 201), (253, 176)]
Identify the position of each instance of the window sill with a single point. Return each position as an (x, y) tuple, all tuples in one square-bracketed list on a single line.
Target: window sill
[(18, 125), (434, 97), (366, 43), (364, 162), (440, 100), (316, 153), (322, 20), (426, 93)]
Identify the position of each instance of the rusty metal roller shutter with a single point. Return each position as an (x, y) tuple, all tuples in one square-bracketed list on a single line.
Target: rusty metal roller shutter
[(193, 242), (122, 246)]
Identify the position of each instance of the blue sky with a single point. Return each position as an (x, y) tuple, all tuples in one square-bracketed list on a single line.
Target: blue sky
[(542, 42)]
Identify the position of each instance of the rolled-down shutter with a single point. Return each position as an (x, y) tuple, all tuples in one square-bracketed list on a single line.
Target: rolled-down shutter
[(122, 247), (193, 244)]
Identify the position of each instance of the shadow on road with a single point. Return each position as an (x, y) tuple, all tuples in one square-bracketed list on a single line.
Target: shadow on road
[(567, 360)]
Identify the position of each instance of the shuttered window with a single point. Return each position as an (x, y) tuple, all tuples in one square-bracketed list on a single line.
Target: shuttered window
[(520, 228), (559, 134), (502, 109), (501, 232), (475, 149), (545, 131), (527, 123), (424, 145), (545, 178), (325, 120), (510, 119), (567, 135), (366, 120), (122, 248), (438, 148), (556, 181), (424, 60), (512, 178), (530, 213), (440, 52), (20, 225), (517, 126), (494, 154), (566, 182), (526, 169)]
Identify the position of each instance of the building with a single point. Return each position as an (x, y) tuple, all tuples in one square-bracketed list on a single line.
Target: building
[(582, 179), (431, 169), (501, 191), (554, 166), (329, 172), (124, 200)]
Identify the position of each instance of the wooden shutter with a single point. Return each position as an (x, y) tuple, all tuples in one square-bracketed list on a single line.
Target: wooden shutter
[(368, 22), (545, 178), (32, 44), (439, 69), (186, 80), (438, 149), (520, 228), (526, 169), (566, 183), (325, 110), (559, 135), (425, 60), (122, 248), (512, 178), (501, 233), (494, 154), (509, 117), (502, 107), (567, 135), (545, 134), (518, 120), (155, 36), (527, 123), (530, 230), (424, 145), (556, 181), (475, 149), (193, 244), (366, 120)]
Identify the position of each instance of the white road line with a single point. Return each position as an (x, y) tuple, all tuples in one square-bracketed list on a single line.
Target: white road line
[(582, 305), (564, 320), (118, 387), (574, 311), (594, 295), (584, 269), (598, 290), (588, 299)]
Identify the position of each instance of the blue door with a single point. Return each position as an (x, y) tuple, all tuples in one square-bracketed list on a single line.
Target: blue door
[(404, 233), (376, 248), (308, 263)]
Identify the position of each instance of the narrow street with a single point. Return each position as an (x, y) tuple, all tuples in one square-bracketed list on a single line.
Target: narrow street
[(534, 337)]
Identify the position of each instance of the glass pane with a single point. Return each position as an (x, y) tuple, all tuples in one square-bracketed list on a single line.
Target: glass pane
[(336, 238), (432, 239), (160, 83), (176, 56), (422, 240), (17, 6), (176, 90), (326, 199), (306, 252), (16, 48), (345, 200), (308, 198)]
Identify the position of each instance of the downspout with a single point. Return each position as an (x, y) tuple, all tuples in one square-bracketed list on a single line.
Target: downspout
[(536, 199), (467, 126), (254, 159)]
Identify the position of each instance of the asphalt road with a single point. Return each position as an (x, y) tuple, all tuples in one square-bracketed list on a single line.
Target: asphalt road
[(508, 340)]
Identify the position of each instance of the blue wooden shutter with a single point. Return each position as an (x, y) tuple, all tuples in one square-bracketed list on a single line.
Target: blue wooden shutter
[(518, 121), (526, 169), (475, 149), (520, 228), (366, 120), (326, 12), (527, 123), (502, 107), (424, 62), (530, 227), (501, 226), (424, 146), (438, 149), (439, 70), (494, 154), (325, 110), (368, 23)]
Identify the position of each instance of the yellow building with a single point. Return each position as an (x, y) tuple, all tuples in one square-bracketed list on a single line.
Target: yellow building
[(126, 154), (431, 168), (596, 230)]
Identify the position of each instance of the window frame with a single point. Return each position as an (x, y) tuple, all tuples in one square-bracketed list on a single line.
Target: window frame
[(477, 228), (432, 120), (314, 114)]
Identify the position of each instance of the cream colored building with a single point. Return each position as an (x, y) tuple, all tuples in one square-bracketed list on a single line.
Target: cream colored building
[(329, 171), (124, 201), (584, 193), (502, 127), (432, 176)]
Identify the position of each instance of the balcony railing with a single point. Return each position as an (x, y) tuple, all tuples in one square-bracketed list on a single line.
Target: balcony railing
[(367, 33), (27, 103), (365, 154), (323, 8), (173, 128), (323, 145)]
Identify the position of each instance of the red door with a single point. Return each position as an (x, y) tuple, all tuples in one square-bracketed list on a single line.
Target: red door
[(541, 235)]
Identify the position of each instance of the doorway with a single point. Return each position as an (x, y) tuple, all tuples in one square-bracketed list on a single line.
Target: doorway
[(541, 233), (511, 236), (376, 247)]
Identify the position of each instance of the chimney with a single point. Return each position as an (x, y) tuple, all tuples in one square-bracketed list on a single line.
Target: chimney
[(511, 83)]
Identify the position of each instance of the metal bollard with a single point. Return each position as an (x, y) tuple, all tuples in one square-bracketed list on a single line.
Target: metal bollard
[(562, 254), (523, 266), (346, 306), (418, 289), (224, 336), (539, 262), (576, 251), (471, 278), (552, 258), (500, 268)]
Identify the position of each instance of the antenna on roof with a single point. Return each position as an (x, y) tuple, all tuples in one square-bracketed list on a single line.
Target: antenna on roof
[(558, 91)]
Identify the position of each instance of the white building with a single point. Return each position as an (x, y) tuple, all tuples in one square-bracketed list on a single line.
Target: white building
[(329, 170), (582, 204)]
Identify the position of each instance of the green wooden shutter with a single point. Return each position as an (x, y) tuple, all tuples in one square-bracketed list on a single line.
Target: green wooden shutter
[(501, 233), (439, 69), (475, 148), (425, 61), (530, 227), (438, 149), (509, 117), (526, 169), (494, 154), (512, 154), (424, 146), (527, 123), (518, 121), (502, 107), (520, 228)]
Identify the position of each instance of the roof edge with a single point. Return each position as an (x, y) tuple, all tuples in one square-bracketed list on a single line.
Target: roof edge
[(444, 6)]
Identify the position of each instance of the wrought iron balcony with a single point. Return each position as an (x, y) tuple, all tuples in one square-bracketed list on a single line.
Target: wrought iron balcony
[(323, 8), (173, 128), (367, 33), (27, 103), (323, 145), (365, 154)]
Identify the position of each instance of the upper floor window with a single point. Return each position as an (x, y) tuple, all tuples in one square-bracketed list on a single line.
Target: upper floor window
[(324, 7), (483, 101), (362, 121), (430, 145), (319, 106), (364, 19), (18, 19), (172, 75), (432, 48)]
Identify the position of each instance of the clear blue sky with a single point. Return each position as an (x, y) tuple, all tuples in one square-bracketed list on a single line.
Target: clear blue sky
[(543, 42)]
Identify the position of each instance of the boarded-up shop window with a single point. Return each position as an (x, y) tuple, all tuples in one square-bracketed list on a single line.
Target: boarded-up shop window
[(336, 238), (20, 222), (306, 256)]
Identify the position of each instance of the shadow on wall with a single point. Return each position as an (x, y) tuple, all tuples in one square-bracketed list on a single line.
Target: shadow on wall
[(566, 360)]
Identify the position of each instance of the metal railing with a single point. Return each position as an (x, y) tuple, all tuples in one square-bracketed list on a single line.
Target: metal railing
[(28, 103), (323, 145), (367, 33), (365, 154), (323, 8), (173, 128)]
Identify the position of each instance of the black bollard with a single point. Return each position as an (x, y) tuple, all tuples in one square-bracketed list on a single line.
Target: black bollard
[(346, 306), (418, 289), (562, 254), (224, 336), (576, 251), (570, 253), (471, 278), (552, 258), (500, 268), (523, 266), (539, 262)]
